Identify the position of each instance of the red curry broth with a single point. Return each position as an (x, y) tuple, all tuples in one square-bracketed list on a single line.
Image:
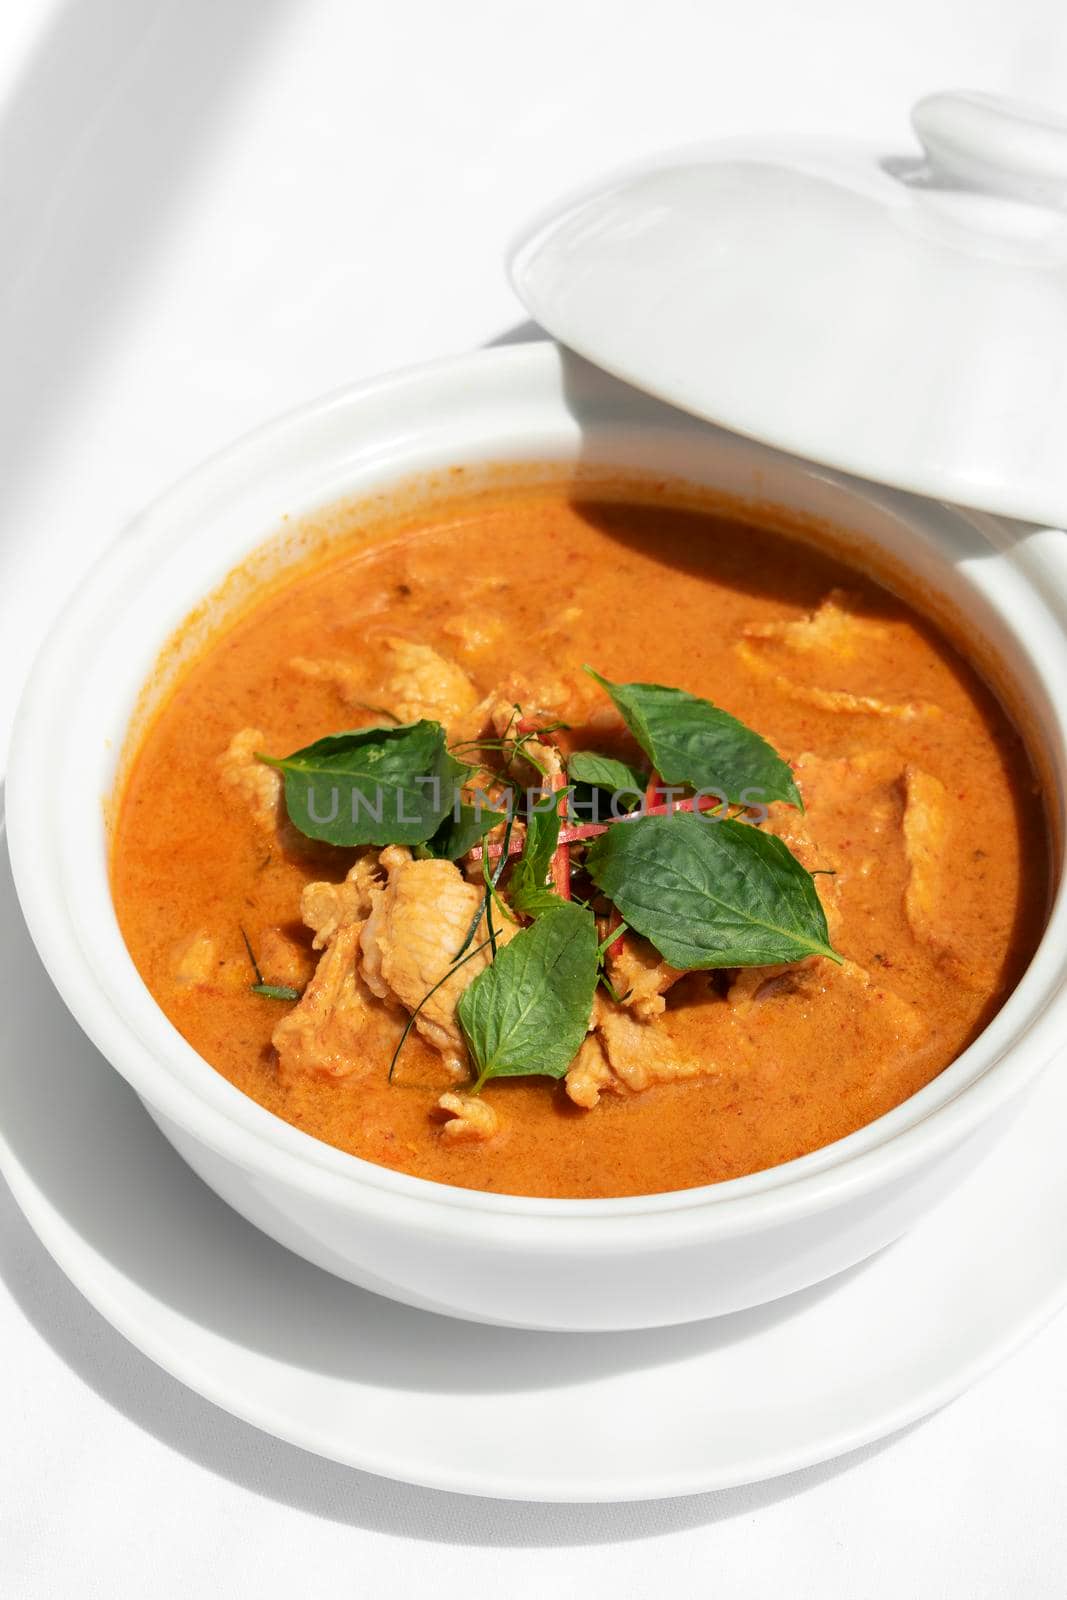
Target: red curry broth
[(537, 582)]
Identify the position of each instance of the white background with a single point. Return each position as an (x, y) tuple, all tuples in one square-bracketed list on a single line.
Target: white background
[(211, 210)]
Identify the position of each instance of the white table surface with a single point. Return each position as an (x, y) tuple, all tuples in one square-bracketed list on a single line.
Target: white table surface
[(209, 211)]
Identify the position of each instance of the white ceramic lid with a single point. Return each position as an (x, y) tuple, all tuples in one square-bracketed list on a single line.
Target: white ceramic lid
[(900, 317)]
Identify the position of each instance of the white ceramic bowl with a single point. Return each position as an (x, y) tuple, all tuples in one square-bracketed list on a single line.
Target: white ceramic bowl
[(563, 1264)]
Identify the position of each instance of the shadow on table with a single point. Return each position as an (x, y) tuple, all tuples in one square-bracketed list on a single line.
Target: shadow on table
[(115, 108), (212, 1439)]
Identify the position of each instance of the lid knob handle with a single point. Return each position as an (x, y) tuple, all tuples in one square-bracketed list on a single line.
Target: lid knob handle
[(999, 146)]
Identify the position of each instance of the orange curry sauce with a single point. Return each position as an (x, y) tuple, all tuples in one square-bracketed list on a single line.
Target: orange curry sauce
[(536, 582)]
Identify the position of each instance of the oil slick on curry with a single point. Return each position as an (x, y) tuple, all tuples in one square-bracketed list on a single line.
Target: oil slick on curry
[(579, 847)]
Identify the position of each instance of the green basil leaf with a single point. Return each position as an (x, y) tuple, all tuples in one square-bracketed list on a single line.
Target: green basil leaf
[(624, 782), (710, 893), (529, 1011), (275, 991), (528, 889), (460, 833), (535, 902), (690, 741), (380, 785)]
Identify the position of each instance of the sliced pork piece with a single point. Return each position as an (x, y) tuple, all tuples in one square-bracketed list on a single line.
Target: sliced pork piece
[(643, 1053), (855, 1004), (326, 907), (589, 1074), (470, 1119), (197, 964), (415, 682), (195, 959), (835, 627), (337, 1028), (835, 634), (419, 682), (200, 962), (347, 678), (412, 938), (885, 829), (798, 832), (474, 633), (282, 959), (640, 976), (926, 831), (623, 1053), (255, 785), (261, 791), (833, 700), (850, 827), (533, 761), (866, 705), (928, 898), (568, 696), (800, 1028)]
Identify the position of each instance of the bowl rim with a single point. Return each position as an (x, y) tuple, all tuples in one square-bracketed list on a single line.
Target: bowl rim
[(969, 1090)]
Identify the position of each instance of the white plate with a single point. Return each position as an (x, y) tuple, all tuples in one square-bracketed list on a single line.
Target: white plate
[(491, 1411)]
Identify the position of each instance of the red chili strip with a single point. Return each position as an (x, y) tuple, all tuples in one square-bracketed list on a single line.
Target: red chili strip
[(560, 869), (590, 830), (561, 860), (615, 948)]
